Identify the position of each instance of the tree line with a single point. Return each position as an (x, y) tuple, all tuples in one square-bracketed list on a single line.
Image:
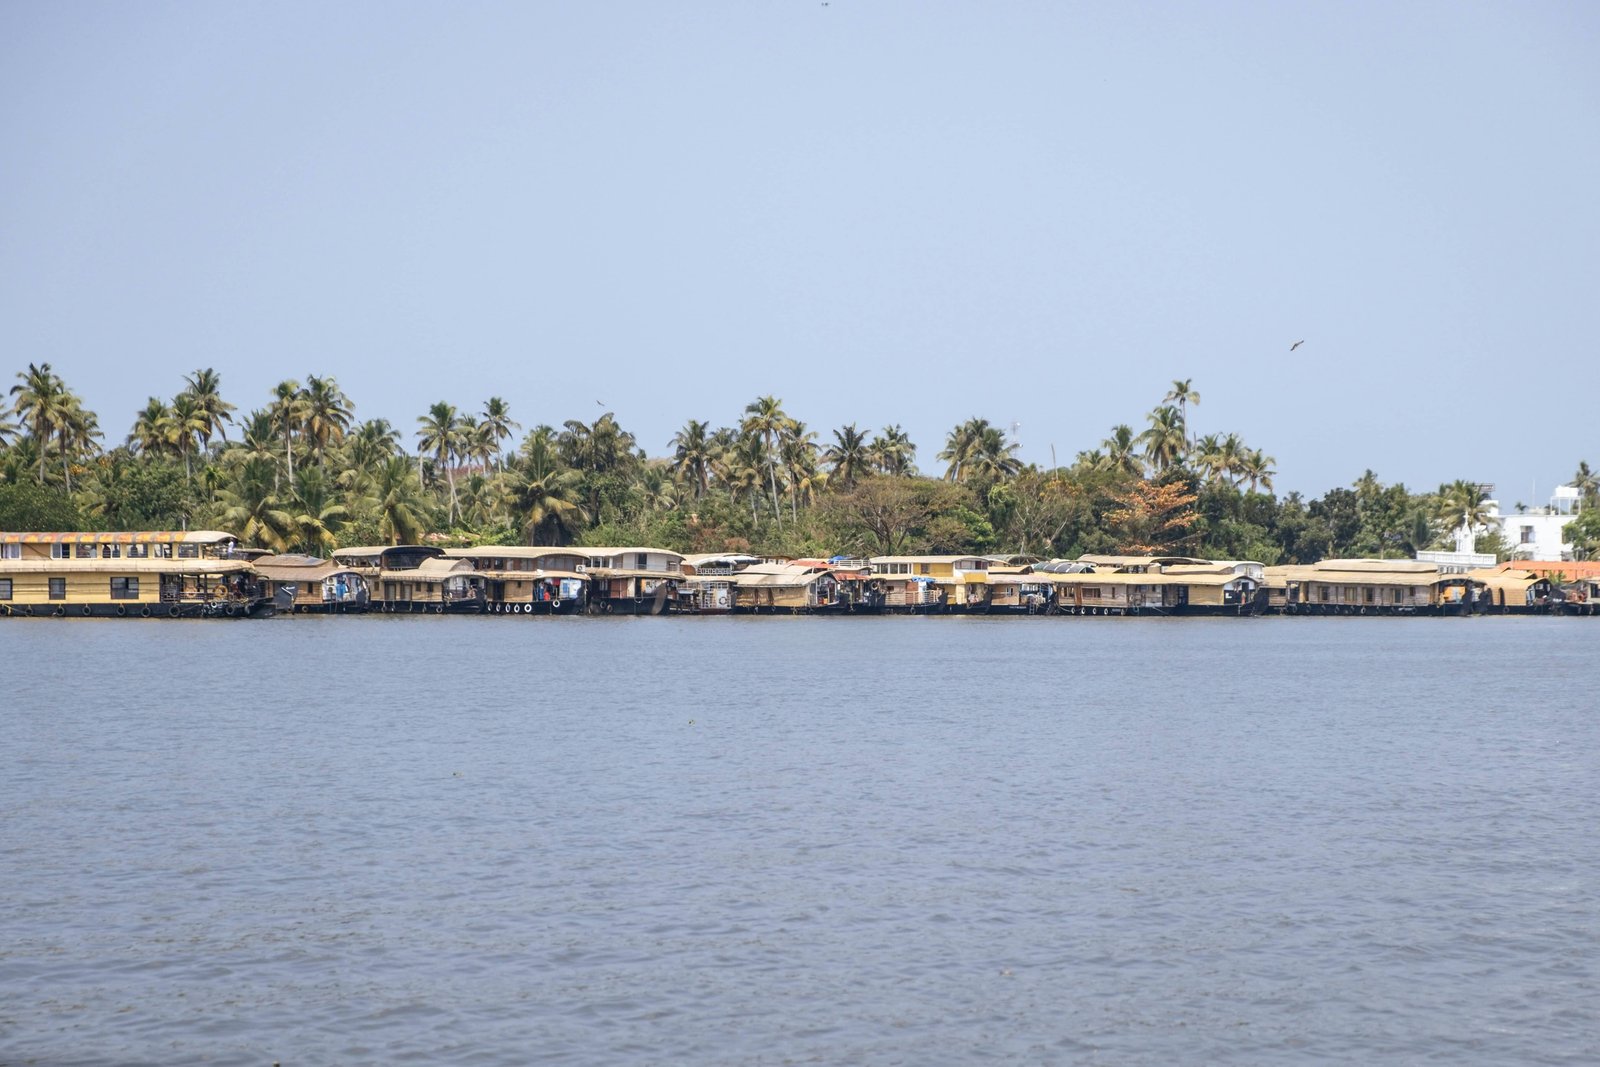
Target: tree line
[(301, 473)]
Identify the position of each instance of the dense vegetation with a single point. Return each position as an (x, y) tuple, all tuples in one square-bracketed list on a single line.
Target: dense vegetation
[(301, 473)]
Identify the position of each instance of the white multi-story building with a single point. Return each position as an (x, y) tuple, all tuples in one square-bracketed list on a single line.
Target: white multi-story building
[(1535, 533)]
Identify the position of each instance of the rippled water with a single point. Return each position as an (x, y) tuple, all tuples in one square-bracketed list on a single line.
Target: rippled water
[(727, 841)]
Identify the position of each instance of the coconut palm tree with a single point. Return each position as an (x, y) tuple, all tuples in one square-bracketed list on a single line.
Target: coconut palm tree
[(993, 458), (398, 502), (958, 448), (849, 456), (539, 452), (440, 434), (325, 413), (546, 506), (253, 511), (315, 513), (76, 430), (1587, 483), (799, 455), (1462, 503), (205, 387), (692, 453), (1183, 394), (765, 418), (185, 423), (498, 425), (40, 402), (1121, 451), (151, 434), (1164, 441), (893, 453), (288, 411), (1257, 469), (258, 435)]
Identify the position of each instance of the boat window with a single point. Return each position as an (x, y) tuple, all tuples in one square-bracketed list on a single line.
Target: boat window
[(124, 589), (161, 551), (10, 551), (60, 551), (110, 551), (138, 551), (86, 551), (188, 551), (58, 589), (5, 588)]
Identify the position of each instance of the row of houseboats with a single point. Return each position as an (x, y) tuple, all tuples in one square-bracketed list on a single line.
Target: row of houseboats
[(190, 574)]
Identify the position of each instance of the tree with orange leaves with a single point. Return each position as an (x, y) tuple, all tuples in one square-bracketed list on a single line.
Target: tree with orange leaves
[(1152, 518)]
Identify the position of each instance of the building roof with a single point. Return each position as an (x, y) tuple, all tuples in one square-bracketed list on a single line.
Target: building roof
[(298, 568), (513, 552), (1570, 570), (123, 566), (122, 537), (584, 550)]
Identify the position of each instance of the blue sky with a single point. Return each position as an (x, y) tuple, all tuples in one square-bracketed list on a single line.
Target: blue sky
[(881, 212)]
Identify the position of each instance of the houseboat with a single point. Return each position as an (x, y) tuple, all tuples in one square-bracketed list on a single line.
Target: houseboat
[(169, 575), (1154, 585), (300, 584), (924, 584), (634, 581), (410, 579), (708, 580), (1372, 587), (786, 589), (1514, 592), (1021, 593), (525, 580)]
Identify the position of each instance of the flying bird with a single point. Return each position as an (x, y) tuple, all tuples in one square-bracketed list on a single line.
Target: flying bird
[(602, 403), (1297, 344)]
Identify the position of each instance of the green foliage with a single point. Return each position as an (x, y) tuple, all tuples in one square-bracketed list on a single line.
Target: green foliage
[(1584, 533), (27, 507)]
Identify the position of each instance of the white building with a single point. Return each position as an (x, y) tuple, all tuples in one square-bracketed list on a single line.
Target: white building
[(1535, 533)]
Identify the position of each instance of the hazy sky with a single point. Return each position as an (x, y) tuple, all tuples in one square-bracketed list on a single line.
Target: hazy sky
[(1039, 213)]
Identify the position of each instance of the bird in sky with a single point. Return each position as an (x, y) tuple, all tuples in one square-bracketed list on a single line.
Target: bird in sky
[(602, 403), (1297, 344)]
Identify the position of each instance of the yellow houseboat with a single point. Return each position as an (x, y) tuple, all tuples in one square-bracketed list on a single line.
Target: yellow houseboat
[(1371, 587), (183, 574), (299, 584), (1022, 593), (633, 581), (523, 580), (1155, 585), (918, 584), (415, 579), (785, 589), (1513, 592)]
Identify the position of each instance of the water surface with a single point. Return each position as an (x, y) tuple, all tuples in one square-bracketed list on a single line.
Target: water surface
[(769, 841)]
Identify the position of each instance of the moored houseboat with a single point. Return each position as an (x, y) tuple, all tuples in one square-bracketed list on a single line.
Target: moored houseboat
[(1371, 587), (119, 588), (1021, 593), (1154, 585), (301, 584), (529, 580), (925, 584), (1514, 592), (173, 574), (708, 580), (411, 579), (633, 581), (786, 589)]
